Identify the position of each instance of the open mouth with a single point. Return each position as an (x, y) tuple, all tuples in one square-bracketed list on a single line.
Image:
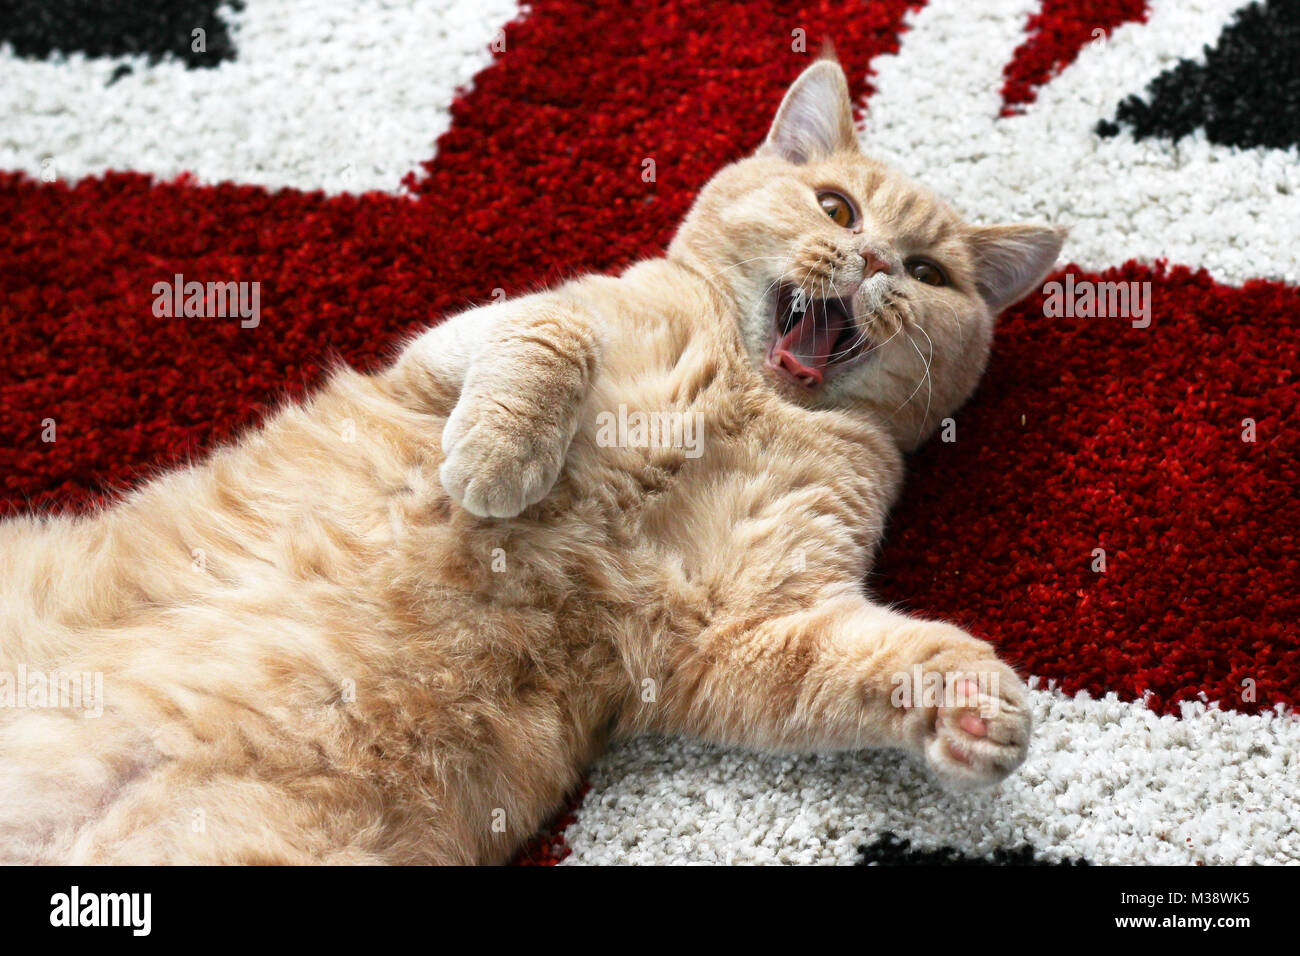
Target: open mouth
[(811, 335)]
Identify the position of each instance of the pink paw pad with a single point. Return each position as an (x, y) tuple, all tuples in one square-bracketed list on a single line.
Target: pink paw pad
[(973, 725), (967, 694)]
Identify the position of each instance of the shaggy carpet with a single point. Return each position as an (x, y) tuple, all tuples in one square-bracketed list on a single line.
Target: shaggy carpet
[(1118, 512)]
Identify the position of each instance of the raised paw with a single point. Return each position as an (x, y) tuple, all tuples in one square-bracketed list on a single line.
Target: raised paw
[(981, 727), (497, 460)]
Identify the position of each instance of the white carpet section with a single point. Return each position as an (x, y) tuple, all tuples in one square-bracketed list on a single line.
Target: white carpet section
[(935, 116), (339, 95), (1108, 781)]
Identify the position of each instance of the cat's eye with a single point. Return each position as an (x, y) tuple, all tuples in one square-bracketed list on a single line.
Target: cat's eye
[(838, 208), (923, 270)]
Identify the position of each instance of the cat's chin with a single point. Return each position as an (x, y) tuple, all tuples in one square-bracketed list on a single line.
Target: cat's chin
[(812, 338)]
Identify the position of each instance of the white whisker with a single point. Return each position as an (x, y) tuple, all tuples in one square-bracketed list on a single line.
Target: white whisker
[(924, 375), (929, 378)]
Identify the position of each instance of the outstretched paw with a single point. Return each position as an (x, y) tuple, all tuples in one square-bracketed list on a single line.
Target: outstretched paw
[(981, 729)]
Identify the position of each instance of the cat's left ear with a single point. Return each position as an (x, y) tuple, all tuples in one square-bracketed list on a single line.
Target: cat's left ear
[(815, 118), (1011, 260)]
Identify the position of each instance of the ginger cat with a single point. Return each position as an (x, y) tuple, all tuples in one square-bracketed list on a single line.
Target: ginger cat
[(393, 625)]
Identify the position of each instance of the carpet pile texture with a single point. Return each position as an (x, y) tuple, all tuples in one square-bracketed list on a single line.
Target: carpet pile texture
[(1120, 509)]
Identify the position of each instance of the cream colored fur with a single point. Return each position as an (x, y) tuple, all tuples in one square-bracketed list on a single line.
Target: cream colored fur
[(394, 623)]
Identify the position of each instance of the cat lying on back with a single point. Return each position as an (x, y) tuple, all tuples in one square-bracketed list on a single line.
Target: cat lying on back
[(395, 624)]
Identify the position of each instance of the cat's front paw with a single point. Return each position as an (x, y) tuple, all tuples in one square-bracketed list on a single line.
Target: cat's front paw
[(497, 460), (981, 727)]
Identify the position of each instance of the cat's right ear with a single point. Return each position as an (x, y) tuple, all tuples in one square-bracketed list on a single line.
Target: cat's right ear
[(1011, 260), (815, 118)]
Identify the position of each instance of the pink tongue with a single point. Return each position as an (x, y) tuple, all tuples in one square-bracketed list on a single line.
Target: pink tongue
[(806, 348)]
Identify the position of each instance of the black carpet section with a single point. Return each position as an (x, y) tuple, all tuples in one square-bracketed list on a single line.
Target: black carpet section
[(890, 850), (1246, 94), (154, 28)]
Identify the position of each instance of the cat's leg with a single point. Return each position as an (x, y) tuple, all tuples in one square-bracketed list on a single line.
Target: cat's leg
[(849, 674), (522, 370)]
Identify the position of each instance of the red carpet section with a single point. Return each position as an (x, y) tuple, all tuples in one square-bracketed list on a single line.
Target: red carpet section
[(1098, 435), (1086, 435)]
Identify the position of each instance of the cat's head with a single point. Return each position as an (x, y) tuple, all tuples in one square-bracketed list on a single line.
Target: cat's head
[(854, 285)]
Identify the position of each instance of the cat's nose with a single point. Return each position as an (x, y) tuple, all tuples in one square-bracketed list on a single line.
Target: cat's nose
[(873, 262)]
